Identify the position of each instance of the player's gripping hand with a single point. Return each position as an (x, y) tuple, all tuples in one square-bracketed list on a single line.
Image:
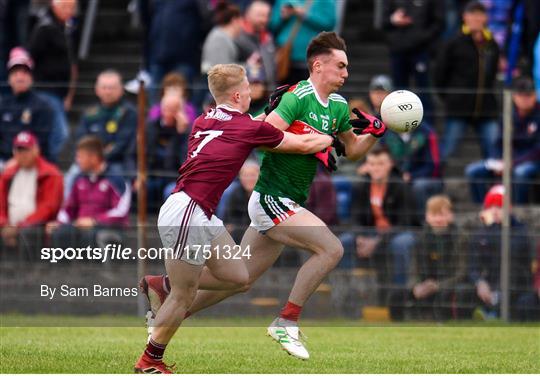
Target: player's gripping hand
[(367, 124), (275, 98), (338, 146), (327, 159)]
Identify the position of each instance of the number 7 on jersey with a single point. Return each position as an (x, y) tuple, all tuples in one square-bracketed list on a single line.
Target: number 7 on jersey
[(210, 135)]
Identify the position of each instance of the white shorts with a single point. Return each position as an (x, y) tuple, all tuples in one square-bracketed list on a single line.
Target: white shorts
[(267, 211), (184, 227)]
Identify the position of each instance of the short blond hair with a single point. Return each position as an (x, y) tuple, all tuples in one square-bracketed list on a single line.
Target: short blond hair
[(223, 77), (438, 203)]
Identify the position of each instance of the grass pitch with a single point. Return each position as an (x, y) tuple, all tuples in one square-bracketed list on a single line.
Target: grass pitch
[(240, 346)]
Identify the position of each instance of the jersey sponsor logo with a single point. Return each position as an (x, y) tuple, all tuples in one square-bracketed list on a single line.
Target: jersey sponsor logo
[(405, 107), (217, 114), (313, 116), (299, 127)]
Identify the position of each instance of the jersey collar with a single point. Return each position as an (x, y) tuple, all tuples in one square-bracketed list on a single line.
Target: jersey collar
[(317, 94), (228, 108)]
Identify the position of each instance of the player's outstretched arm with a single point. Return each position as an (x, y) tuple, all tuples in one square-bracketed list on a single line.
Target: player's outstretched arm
[(356, 147), (303, 143)]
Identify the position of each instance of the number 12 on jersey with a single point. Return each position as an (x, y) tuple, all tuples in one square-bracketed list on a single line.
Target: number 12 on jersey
[(209, 136)]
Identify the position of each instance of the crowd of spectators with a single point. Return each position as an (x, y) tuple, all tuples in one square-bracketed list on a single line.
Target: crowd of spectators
[(391, 211)]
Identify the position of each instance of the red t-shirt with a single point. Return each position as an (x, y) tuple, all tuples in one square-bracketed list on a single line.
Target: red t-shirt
[(218, 146)]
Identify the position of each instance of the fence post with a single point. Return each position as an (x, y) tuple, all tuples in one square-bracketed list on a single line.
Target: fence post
[(506, 226), (141, 193), (88, 28)]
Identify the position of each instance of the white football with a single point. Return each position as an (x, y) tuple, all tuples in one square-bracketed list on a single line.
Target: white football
[(402, 111)]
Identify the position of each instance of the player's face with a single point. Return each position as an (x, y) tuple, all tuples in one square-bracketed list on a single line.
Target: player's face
[(242, 95), (379, 166), (333, 69)]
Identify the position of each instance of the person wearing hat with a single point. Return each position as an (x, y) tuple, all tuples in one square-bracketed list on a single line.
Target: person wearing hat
[(484, 259), (525, 148), (24, 109), (465, 76), (31, 191)]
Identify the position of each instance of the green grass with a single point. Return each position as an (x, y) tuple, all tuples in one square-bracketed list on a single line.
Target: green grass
[(218, 346)]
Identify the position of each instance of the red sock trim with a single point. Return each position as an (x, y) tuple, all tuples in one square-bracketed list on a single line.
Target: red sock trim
[(291, 312)]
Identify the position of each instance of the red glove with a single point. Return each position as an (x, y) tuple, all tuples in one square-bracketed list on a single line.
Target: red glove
[(367, 124), (327, 159)]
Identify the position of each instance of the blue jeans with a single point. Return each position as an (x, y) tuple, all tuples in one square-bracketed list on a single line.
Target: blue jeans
[(480, 179), (488, 130), (523, 176), (60, 128), (400, 246)]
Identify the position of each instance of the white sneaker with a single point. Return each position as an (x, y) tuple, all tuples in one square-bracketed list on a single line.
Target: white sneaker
[(287, 334)]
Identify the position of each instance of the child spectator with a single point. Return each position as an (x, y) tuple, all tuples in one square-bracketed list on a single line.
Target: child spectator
[(438, 266), (97, 207)]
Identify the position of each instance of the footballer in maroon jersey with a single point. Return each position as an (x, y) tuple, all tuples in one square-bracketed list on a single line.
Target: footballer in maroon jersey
[(220, 142)]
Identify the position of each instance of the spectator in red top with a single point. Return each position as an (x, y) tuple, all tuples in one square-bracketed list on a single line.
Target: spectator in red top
[(31, 192), (97, 205), (255, 43)]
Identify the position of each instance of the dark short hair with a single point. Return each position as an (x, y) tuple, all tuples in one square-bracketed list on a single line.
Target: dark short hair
[(380, 149), (474, 6), (225, 12), (323, 44), (91, 144)]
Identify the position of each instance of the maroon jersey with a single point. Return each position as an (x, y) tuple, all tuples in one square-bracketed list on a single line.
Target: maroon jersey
[(218, 146)]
